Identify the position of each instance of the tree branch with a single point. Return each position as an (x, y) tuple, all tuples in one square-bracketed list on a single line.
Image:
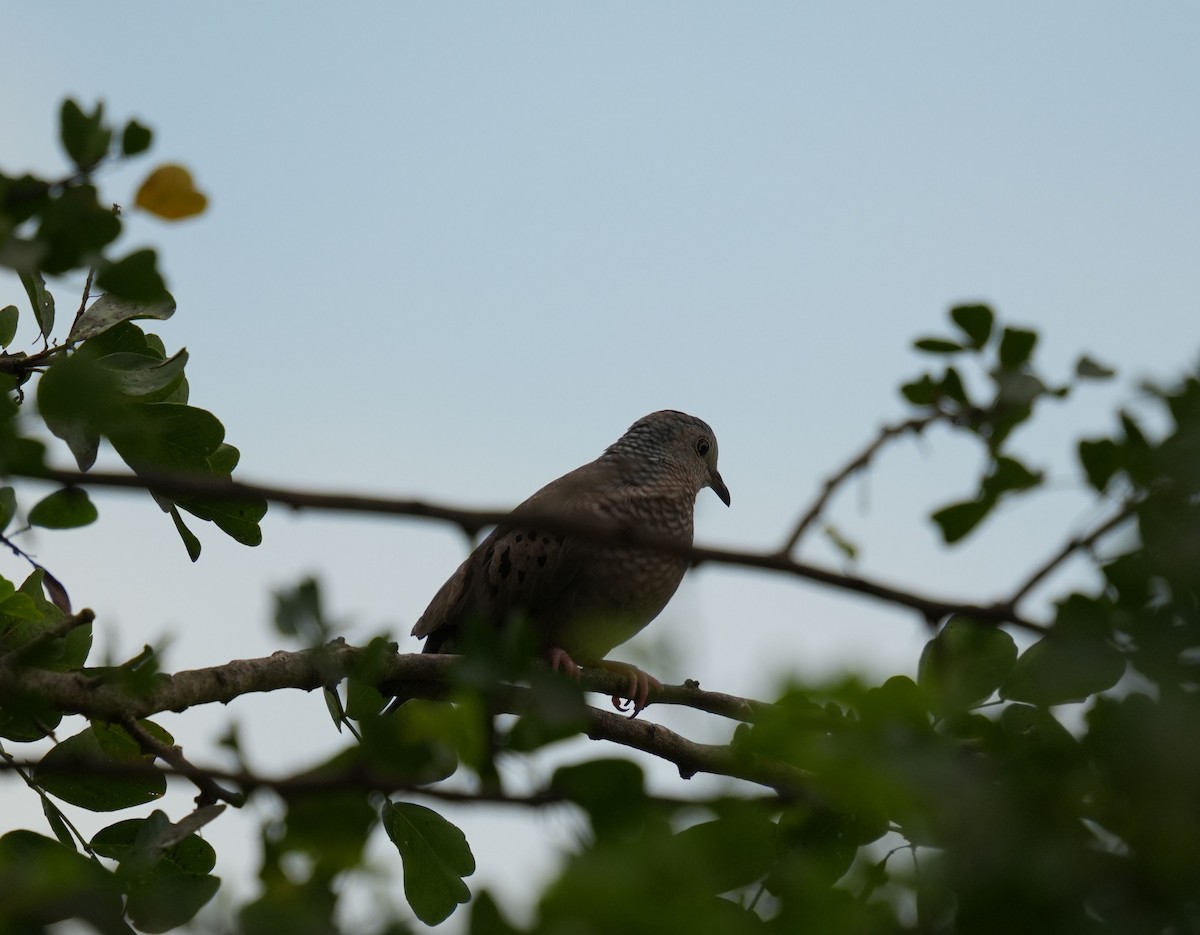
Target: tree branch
[(419, 674), (103, 697), (471, 521)]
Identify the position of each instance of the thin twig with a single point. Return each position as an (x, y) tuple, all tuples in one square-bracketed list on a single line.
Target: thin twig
[(25, 770), (366, 779), (87, 291), (211, 791), (860, 461), (1071, 546)]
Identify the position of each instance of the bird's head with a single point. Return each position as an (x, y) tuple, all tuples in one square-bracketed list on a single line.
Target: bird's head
[(675, 442)]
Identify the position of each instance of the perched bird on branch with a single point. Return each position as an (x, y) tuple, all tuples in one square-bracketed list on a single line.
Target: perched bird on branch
[(585, 594)]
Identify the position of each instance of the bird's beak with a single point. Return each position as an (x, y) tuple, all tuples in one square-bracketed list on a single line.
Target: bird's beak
[(718, 486)]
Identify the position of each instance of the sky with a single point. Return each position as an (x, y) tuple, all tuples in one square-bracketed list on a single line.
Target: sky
[(454, 250)]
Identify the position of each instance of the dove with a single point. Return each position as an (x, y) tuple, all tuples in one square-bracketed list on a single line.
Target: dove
[(584, 596)]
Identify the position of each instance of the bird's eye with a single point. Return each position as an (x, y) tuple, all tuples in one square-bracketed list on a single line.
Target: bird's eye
[(702, 446)]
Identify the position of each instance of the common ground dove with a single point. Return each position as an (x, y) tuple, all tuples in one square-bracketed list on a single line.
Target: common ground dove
[(581, 595)]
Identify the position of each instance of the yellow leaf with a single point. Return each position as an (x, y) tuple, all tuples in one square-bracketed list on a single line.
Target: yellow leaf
[(169, 193)]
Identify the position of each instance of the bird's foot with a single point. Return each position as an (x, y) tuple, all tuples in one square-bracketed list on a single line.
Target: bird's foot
[(637, 695), (561, 662)]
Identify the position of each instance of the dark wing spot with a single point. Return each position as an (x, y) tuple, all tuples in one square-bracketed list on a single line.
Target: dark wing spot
[(541, 561), (487, 556), (545, 540), (521, 577), (533, 535), (505, 562)]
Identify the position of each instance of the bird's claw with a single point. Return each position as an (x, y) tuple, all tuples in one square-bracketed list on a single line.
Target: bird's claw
[(637, 693), (560, 661)]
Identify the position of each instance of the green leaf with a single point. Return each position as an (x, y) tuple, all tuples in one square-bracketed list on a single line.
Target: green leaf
[(84, 136), (486, 918), (921, 392), (135, 138), (1101, 459), (298, 613), (557, 711), (1015, 388), (26, 718), (74, 771), (1088, 369), (238, 519), (68, 508), (824, 841), (168, 437), (840, 542), (611, 791), (165, 867), (1038, 732), (135, 277), (1135, 438), (123, 337), (189, 853), (952, 386), (110, 310), (18, 606), (21, 198), (729, 853), (1070, 663), (168, 899), (331, 826), (436, 857), (975, 321), (116, 741), (224, 459), (958, 519), (965, 663), (78, 400), (190, 542), (41, 300), (333, 704), (26, 615), (138, 375), (417, 743), (8, 507), (58, 824), (363, 699), (73, 228), (1016, 347), (1008, 474), (9, 316), (937, 346), (46, 882)]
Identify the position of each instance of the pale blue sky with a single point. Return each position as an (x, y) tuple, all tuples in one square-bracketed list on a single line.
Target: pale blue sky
[(455, 249)]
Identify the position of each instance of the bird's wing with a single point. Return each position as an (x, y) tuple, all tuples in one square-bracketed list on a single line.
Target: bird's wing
[(518, 566)]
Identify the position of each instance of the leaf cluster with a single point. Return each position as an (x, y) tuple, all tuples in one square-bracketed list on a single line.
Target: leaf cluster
[(1011, 388), (108, 378)]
